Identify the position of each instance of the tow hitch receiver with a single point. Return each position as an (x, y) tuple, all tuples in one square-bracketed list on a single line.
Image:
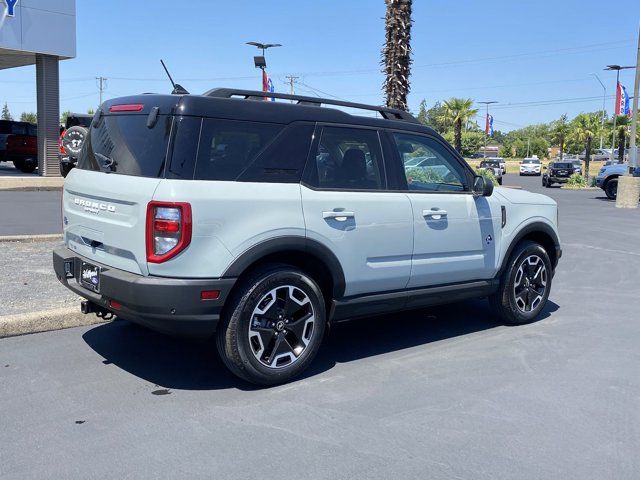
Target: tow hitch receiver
[(87, 307)]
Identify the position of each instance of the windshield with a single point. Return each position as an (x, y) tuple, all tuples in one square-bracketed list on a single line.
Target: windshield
[(531, 161), (490, 164)]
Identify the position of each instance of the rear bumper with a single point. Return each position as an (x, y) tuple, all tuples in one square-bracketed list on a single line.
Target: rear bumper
[(169, 305), (559, 179)]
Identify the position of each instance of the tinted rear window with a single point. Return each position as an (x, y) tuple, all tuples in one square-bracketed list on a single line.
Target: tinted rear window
[(562, 165), (123, 144), (228, 147)]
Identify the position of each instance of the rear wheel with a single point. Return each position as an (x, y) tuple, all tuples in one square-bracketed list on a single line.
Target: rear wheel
[(26, 165), (611, 188), (500, 181), (524, 285), (273, 327)]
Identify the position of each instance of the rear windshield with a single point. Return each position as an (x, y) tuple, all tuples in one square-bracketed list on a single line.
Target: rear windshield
[(490, 164), (125, 145), (562, 165)]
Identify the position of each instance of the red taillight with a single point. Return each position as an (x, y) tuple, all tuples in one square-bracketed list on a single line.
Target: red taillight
[(168, 230), (127, 107)]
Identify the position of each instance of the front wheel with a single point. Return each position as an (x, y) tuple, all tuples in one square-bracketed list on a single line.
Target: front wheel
[(611, 188), (273, 326), (524, 285)]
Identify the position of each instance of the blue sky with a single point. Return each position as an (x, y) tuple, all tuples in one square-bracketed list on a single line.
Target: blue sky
[(514, 52)]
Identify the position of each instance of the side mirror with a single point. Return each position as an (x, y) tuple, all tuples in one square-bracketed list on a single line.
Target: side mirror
[(481, 186)]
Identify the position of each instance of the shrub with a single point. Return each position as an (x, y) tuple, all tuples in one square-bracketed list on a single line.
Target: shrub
[(576, 181), (488, 174)]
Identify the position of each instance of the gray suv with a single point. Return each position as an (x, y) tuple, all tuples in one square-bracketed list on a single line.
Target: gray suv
[(257, 224)]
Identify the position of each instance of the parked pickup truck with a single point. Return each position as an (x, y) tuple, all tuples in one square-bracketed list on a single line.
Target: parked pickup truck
[(607, 178), (18, 144)]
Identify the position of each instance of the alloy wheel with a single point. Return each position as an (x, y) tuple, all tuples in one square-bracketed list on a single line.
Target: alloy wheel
[(530, 283), (281, 326)]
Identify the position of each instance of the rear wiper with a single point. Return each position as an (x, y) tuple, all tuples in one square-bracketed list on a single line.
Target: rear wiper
[(107, 162)]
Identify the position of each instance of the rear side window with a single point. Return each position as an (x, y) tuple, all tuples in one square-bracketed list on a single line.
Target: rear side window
[(123, 144), (284, 159), (228, 147)]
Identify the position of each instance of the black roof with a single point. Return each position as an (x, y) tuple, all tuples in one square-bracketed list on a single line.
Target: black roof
[(224, 103)]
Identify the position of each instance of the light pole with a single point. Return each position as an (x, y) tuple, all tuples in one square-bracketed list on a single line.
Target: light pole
[(486, 119), (260, 61), (617, 68), (604, 102)]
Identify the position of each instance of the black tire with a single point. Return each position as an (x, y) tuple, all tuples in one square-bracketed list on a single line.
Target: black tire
[(73, 140), (508, 301), (548, 184), (242, 334), (65, 168), (500, 181), (26, 165), (611, 188)]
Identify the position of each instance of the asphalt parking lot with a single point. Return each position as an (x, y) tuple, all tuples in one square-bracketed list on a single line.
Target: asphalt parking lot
[(440, 393)]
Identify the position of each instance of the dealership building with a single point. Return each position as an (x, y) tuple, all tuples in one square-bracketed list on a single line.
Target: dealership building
[(40, 33)]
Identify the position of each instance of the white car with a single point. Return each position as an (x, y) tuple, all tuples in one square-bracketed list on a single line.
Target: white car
[(501, 161), (258, 224), (531, 166)]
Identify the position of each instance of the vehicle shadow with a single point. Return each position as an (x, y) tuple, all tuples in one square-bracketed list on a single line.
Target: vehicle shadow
[(177, 363)]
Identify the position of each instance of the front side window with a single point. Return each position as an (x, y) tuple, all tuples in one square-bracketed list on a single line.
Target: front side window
[(428, 165), (348, 158)]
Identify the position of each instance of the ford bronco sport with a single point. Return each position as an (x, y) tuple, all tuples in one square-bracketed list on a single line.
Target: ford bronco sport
[(259, 223)]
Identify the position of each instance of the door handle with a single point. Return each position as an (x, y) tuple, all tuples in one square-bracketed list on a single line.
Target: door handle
[(339, 216), (434, 214)]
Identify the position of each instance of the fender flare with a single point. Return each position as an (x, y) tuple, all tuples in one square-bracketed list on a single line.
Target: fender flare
[(534, 227), (288, 244)]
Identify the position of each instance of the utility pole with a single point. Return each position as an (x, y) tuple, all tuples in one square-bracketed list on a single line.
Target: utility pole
[(604, 102), (486, 119), (292, 80), (102, 86), (629, 185)]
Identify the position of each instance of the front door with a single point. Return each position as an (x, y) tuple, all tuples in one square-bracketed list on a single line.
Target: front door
[(454, 231)]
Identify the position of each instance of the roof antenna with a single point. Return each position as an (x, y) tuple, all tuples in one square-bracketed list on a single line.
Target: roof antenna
[(177, 88)]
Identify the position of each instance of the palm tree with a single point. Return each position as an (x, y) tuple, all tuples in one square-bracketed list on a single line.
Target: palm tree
[(396, 54), (622, 123), (560, 131), (458, 111), (583, 129)]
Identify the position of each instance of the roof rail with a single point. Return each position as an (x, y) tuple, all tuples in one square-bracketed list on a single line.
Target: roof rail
[(387, 113)]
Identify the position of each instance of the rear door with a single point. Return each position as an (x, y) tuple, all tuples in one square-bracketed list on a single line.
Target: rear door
[(455, 234), (105, 198), (348, 208)]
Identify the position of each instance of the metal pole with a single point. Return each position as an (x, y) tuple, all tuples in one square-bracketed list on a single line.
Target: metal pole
[(604, 103), (633, 151), (486, 119), (615, 118)]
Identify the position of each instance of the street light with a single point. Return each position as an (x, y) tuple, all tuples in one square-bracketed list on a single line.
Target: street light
[(604, 103), (260, 61), (617, 68), (486, 118)]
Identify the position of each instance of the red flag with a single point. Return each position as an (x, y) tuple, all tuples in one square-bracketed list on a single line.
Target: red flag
[(619, 99)]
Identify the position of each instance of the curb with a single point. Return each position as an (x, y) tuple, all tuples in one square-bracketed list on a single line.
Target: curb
[(35, 322), (30, 238), (33, 183)]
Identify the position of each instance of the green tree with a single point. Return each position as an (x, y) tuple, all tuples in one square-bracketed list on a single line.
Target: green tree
[(437, 118), (560, 129), (396, 53), (30, 117), (458, 111), (583, 129), (63, 117), (91, 111), (6, 114), (422, 113)]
